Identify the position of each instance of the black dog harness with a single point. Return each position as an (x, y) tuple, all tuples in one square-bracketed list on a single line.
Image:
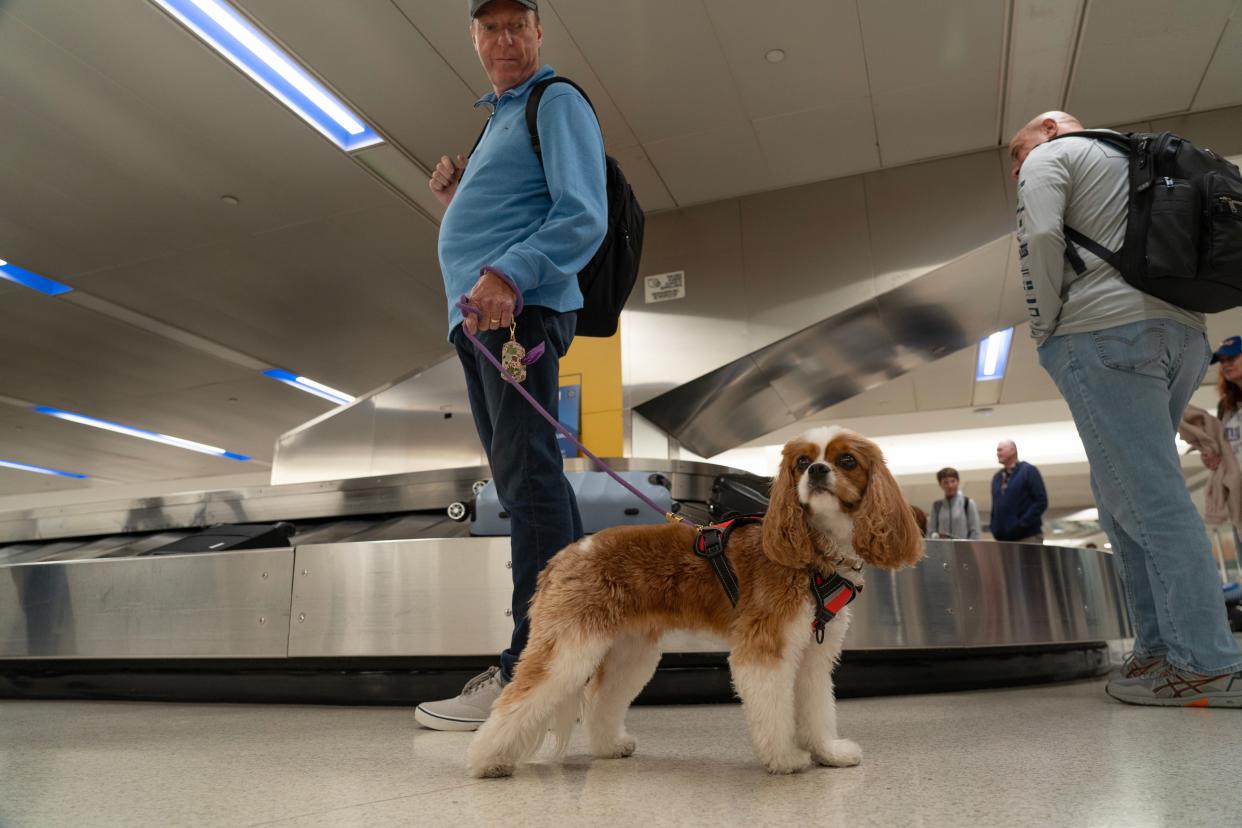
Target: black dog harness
[(832, 594), (710, 543)]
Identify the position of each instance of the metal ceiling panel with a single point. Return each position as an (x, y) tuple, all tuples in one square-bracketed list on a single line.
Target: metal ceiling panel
[(662, 63), (387, 70), (351, 301), (823, 64), (1043, 34), (113, 162), (806, 252), (945, 383), (661, 343), (113, 457), (709, 166), (1222, 84), (819, 144), (935, 70), (1112, 85), (926, 215), (54, 353)]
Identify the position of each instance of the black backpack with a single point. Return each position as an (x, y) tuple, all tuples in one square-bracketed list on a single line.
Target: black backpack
[(1183, 241), (608, 279)]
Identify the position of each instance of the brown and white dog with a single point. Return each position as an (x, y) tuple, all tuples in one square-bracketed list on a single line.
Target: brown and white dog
[(603, 603)]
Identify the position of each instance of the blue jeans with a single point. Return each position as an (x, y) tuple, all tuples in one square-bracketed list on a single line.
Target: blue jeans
[(1127, 388), (523, 454)]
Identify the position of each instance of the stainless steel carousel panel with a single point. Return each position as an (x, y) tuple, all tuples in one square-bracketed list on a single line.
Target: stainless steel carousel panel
[(986, 594), (429, 597), (233, 604)]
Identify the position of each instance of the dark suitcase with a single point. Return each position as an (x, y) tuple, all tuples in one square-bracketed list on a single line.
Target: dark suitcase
[(602, 502), (739, 494), (227, 536)]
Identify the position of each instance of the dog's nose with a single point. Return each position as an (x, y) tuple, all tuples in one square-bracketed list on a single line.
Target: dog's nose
[(818, 471)]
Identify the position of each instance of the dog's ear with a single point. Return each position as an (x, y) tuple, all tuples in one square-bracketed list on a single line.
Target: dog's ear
[(786, 537), (886, 533)]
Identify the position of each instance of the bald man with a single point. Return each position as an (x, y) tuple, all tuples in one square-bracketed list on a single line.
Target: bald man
[(1126, 363)]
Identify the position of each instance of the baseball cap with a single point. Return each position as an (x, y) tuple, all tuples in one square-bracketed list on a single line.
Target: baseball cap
[(476, 6), (1231, 347)]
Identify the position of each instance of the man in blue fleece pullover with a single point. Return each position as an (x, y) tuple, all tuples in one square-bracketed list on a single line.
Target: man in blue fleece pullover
[(514, 236), (1019, 499)]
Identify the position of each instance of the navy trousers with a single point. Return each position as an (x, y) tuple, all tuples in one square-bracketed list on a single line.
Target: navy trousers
[(522, 452)]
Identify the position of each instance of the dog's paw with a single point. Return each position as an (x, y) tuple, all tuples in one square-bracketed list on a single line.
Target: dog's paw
[(490, 770), (789, 762), (840, 753), (625, 746)]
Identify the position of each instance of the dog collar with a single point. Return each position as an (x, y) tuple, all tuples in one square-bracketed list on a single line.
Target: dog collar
[(832, 594)]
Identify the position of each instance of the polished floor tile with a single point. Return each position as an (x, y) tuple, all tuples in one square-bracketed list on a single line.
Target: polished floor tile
[(1048, 756)]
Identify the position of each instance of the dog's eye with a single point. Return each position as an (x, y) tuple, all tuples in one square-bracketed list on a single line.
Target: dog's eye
[(847, 461), (803, 463)]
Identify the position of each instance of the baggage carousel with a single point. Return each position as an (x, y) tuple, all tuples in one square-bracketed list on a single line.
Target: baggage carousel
[(381, 598)]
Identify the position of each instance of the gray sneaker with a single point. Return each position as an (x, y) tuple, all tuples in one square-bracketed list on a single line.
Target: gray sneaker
[(1139, 667), (466, 711), (1179, 688)]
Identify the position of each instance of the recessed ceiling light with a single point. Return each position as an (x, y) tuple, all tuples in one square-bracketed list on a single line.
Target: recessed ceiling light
[(34, 281), (993, 356), (222, 28), (310, 386), (141, 433), (13, 464), (775, 56), (232, 201)]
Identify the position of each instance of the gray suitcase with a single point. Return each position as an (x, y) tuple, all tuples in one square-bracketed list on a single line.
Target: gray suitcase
[(602, 501)]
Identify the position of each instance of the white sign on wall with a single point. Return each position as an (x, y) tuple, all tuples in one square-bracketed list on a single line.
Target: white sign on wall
[(665, 287)]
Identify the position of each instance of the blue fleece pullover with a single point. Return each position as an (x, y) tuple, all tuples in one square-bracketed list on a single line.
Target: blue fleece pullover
[(1019, 512), (539, 225)]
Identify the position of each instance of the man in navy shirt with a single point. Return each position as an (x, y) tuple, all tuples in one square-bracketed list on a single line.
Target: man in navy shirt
[(516, 231), (1019, 499)]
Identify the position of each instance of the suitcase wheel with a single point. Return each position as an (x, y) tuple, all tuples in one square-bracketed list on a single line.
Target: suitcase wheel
[(478, 486), (458, 511)]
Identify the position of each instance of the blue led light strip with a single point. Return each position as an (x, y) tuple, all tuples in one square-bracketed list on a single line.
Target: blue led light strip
[(34, 281), (309, 386), (217, 24), (141, 433), (13, 464)]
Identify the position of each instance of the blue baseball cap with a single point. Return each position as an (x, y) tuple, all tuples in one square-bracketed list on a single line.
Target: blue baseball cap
[(1231, 347), (476, 6)]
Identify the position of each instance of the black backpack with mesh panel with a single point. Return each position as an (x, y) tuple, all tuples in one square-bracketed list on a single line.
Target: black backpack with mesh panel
[(1183, 241)]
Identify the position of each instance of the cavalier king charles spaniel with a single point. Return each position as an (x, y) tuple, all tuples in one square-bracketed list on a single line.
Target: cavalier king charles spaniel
[(603, 603)]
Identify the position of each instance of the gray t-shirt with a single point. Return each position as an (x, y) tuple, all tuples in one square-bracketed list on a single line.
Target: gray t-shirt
[(1083, 183)]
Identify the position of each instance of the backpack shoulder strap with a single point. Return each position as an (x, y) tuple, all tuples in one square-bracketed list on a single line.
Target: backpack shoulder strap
[(1120, 140), (532, 108)]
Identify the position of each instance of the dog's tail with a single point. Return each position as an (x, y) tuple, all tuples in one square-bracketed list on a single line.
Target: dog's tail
[(547, 691), (564, 717)]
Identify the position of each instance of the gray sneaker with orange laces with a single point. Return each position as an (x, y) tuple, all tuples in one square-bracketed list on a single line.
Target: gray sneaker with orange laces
[(1173, 687)]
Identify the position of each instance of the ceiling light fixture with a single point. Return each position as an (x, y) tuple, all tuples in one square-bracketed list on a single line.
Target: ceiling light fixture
[(310, 386), (13, 464), (775, 56), (993, 356), (34, 281), (141, 433), (222, 28)]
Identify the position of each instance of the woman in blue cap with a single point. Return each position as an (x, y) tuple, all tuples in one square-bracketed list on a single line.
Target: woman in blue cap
[(1229, 408)]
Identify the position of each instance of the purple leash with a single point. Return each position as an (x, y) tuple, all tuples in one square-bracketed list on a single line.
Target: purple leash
[(463, 304)]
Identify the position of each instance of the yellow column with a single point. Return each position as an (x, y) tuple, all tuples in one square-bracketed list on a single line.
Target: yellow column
[(595, 365)]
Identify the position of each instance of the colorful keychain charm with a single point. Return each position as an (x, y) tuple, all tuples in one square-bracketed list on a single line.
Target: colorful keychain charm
[(512, 356)]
